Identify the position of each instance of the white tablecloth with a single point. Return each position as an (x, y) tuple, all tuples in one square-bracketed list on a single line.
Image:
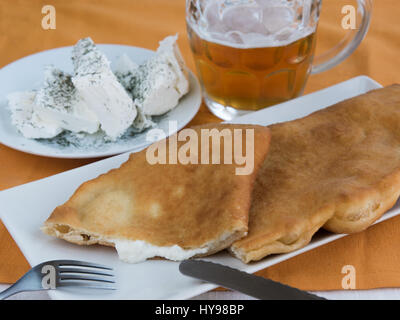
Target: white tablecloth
[(375, 294)]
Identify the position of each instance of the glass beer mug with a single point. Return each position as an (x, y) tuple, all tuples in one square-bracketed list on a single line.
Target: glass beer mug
[(251, 54)]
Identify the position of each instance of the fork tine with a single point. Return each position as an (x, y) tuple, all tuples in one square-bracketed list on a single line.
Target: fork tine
[(105, 286), (85, 278), (62, 270), (68, 263)]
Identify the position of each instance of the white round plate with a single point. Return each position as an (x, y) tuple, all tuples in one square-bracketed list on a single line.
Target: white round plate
[(27, 74)]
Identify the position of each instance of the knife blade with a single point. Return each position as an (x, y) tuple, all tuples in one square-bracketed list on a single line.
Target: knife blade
[(252, 285)]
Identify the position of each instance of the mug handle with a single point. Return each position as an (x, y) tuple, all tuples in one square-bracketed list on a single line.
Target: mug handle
[(348, 45)]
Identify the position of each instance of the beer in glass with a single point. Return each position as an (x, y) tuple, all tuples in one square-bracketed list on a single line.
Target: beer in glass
[(252, 54)]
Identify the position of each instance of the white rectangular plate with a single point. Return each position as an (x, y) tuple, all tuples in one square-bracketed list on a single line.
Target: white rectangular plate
[(23, 210)]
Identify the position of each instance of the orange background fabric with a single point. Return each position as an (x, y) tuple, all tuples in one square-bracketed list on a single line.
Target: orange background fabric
[(374, 253)]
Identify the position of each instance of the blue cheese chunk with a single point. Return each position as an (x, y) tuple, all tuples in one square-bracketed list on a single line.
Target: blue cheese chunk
[(101, 90), (159, 83), (58, 102), (26, 120)]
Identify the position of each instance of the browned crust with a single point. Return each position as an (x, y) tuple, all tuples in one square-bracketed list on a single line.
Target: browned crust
[(338, 168), (192, 206)]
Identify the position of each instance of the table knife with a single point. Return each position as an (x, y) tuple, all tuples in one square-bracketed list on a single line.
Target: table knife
[(254, 286)]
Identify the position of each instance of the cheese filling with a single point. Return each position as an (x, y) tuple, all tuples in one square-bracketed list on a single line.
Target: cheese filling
[(134, 251)]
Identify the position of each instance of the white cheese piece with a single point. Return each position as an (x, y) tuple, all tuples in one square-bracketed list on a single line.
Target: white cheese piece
[(101, 90), (124, 66), (60, 103), (159, 83), (169, 51), (26, 120), (125, 70), (137, 251), (142, 121)]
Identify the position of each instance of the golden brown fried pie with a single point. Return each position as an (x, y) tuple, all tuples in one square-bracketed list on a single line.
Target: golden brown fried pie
[(338, 168), (169, 210)]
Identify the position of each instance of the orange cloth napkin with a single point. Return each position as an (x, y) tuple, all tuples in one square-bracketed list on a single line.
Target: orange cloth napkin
[(373, 253)]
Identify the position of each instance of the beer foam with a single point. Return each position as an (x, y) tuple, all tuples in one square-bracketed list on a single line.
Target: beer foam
[(254, 23)]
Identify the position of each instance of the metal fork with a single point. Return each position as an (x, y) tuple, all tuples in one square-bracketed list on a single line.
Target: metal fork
[(63, 273)]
